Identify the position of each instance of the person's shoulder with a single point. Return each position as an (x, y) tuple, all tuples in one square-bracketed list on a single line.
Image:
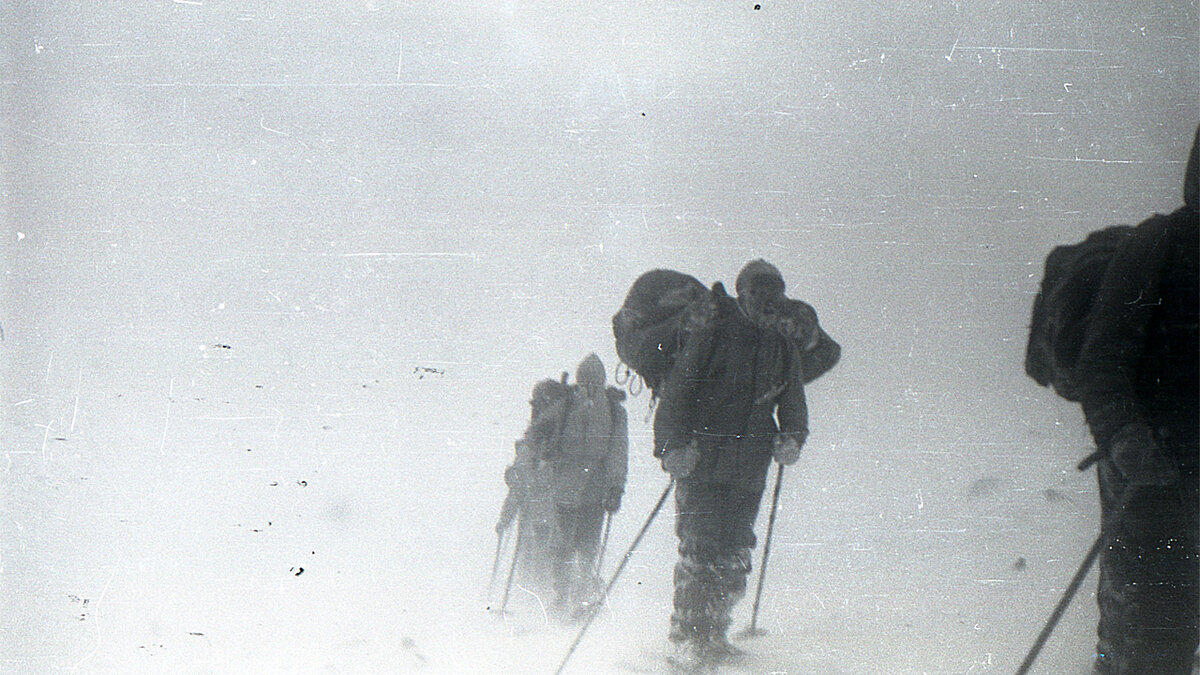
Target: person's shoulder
[(1182, 223), (1158, 235)]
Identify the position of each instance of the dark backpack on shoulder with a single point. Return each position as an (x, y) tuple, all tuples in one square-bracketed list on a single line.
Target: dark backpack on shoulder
[(1070, 283), (650, 325), (797, 321), (546, 424)]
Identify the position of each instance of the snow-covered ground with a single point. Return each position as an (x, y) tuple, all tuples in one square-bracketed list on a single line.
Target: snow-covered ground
[(278, 278)]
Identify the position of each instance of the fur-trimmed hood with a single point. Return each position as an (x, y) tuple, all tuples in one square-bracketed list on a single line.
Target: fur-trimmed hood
[(756, 270)]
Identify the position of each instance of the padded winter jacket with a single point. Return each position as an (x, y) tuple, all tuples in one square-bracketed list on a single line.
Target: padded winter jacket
[(735, 386), (592, 458), (1139, 360), (584, 436)]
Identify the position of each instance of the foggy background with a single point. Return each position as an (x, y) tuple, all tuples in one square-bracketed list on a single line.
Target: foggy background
[(279, 277)]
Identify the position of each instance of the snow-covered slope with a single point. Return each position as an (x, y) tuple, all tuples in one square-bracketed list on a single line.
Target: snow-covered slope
[(278, 280)]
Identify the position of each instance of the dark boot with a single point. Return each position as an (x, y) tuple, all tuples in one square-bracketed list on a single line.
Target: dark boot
[(730, 571), (688, 656), (691, 619)]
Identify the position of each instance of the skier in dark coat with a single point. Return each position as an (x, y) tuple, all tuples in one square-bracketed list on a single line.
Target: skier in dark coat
[(589, 465), (734, 399), (530, 499), (1140, 382)]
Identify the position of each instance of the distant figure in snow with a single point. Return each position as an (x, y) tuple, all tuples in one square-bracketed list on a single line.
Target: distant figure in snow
[(530, 500), (733, 400), (589, 468), (1137, 376), (569, 472)]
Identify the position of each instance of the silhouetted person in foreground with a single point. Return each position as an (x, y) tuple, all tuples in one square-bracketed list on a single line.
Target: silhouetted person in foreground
[(1139, 371), (733, 400), (1115, 328)]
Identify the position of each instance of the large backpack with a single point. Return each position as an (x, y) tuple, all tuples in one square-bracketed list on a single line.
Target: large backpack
[(649, 326), (798, 322), (1071, 280), (663, 306)]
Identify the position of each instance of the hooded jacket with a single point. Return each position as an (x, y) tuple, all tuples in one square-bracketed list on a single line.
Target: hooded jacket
[(591, 460)]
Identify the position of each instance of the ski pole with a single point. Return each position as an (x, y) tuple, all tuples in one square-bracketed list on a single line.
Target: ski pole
[(1101, 542), (604, 541), (625, 559), (511, 572), (762, 566), (1068, 595), (496, 559)]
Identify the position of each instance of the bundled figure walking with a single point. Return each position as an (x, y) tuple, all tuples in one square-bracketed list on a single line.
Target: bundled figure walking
[(589, 470), (1115, 328), (568, 475), (732, 399), (530, 499)]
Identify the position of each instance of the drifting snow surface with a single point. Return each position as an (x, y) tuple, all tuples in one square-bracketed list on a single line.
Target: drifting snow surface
[(220, 516), (279, 277)]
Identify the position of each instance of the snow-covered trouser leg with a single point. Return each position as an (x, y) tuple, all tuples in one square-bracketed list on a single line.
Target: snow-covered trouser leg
[(536, 536), (715, 525), (1148, 594), (575, 551)]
